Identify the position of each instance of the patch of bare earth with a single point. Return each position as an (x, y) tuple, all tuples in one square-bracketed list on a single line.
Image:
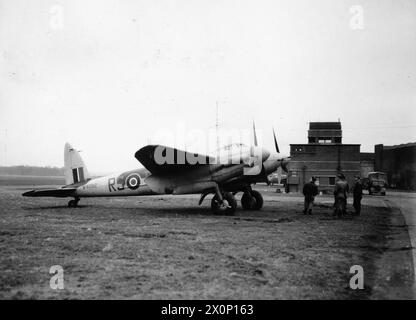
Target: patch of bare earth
[(169, 248)]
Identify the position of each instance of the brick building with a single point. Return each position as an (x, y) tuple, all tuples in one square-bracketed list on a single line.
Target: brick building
[(367, 163), (323, 157), (399, 162)]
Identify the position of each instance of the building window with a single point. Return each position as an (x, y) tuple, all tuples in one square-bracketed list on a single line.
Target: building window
[(337, 139), (324, 140), (323, 181), (298, 149), (331, 181)]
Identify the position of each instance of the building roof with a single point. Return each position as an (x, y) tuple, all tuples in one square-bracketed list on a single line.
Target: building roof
[(326, 144), (324, 125), (369, 156), (404, 145)]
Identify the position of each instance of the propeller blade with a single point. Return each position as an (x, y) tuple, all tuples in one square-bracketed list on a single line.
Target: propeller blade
[(275, 141), (284, 164), (254, 134)]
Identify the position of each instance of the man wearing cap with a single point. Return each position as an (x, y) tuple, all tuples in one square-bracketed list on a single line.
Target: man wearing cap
[(341, 190), (357, 195), (310, 190)]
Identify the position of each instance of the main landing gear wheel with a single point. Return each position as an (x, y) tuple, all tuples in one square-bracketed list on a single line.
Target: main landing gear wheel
[(252, 200), (227, 207), (73, 203)]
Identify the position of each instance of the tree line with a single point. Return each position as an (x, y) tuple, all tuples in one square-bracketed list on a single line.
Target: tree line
[(32, 171)]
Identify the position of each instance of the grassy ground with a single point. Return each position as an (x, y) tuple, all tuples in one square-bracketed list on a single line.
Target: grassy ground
[(168, 247)]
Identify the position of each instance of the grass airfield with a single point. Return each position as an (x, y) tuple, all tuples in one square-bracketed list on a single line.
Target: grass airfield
[(168, 247)]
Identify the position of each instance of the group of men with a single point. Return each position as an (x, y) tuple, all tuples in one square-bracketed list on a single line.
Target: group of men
[(341, 189)]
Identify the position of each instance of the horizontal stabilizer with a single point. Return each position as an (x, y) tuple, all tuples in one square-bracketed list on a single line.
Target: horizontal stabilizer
[(57, 193)]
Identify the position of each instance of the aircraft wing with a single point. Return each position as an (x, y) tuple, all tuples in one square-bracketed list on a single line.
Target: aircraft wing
[(58, 192), (160, 159)]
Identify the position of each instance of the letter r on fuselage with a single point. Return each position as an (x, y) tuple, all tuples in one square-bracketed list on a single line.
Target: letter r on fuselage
[(111, 183)]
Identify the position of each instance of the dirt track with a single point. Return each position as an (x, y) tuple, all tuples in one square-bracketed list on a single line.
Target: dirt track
[(168, 247)]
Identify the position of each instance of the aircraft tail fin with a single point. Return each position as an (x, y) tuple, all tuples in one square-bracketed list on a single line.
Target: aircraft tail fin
[(75, 169)]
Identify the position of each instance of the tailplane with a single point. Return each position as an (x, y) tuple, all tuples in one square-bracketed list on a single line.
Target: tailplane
[(75, 169)]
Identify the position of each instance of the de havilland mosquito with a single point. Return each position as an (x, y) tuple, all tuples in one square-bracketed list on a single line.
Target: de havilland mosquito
[(172, 171)]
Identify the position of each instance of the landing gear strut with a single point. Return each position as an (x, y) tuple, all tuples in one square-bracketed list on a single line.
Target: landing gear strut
[(73, 203), (252, 200), (223, 202)]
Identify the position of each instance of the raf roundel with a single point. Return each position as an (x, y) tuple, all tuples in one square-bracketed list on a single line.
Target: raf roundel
[(133, 181)]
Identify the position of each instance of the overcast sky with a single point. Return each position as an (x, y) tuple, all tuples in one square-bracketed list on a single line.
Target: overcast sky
[(108, 76)]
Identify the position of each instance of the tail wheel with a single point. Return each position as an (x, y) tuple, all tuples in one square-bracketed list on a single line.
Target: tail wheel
[(73, 203), (252, 200), (227, 207)]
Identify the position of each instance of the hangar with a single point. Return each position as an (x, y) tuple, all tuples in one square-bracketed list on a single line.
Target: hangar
[(323, 157)]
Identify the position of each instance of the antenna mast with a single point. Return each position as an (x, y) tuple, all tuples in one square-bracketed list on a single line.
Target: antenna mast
[(217, 131), (5, 148)]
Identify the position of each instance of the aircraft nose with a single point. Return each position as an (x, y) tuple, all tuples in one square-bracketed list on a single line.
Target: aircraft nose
[(265, 154)]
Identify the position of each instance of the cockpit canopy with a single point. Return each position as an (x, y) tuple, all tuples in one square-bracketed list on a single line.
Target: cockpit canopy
[(234, 147)]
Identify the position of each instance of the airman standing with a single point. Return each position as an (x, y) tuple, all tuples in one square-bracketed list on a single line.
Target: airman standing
[(310, 190), (357, 195), (341, 190)]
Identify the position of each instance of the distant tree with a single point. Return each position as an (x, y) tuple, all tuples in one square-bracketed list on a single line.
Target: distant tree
[(32, 171)]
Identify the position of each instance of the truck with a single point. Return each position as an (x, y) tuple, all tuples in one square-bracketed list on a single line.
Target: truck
[(375, 183)]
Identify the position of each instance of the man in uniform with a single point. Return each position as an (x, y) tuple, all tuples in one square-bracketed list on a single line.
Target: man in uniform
[(341, 190), (310, 190), (357, 195)]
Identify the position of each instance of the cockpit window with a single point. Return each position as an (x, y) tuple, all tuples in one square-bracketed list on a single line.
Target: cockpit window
[(233, 146)]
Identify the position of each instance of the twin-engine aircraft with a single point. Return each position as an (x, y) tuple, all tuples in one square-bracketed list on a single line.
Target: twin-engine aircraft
[(172, 171)]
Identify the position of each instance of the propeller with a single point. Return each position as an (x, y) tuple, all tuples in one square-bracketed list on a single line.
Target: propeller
[(284, 162), (259, 153), (254, 134), (284, 166), (275, 141)]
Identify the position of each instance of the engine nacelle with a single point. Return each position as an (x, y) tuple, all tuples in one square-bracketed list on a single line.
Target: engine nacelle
[(271, 164)]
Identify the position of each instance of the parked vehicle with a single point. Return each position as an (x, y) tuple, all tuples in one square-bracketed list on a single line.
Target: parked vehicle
[(274, 178), (277, 178), (375, 183)]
